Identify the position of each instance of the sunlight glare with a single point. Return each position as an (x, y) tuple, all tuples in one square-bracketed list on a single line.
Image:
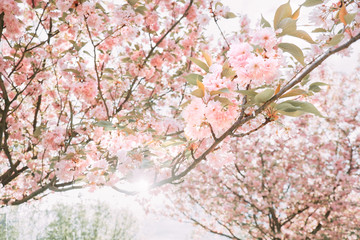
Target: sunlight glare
[(141, 186)]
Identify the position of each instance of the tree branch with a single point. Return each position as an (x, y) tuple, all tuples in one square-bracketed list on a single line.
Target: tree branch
[(241, 121), (129, 92)]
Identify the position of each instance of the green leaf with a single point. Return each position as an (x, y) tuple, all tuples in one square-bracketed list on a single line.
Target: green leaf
[(33, 35), (350, 17), (264, 95), (293, 50), (108, 70), (318, 30), (287, 25), (310, 3), (303, 35), (126, 59), (192, 78), (132, 2), (309, 108), (296, 108), (172, 143), (70, 156), (264, 23), (198, 93), (223, 90), (98, 6), (250, 93), (224, 101), (27, 54), (128, 130), (207, 58), (108, 77), (8, 58), (230, 15), (87, 53), (39, 130), (76, 46), (228, 73), (315, 87), (72, 71), (336, 39), (105, 124), (289, 110), (305, 80), (218, 4), (294, 92), (284, 11), (141, 10), (200, 63), (185, 104)]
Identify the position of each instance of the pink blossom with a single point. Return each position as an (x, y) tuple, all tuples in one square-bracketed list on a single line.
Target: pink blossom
[(194, 132), (191, 13), (213, 80), (54, 138), (94, 21), (157, 61), (220, 117), (238, 54), (87, 90), (203, 19), (194, 112), (64, 5), (65, 170), (221, 10), (265, 37), (152, 21)]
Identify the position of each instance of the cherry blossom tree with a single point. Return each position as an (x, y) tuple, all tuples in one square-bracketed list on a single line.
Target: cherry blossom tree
[(298, 182), (100, 93)]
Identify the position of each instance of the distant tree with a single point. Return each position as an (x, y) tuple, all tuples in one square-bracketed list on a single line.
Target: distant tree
[(77, 222), (69, 222), (293, 183), (7, 229)]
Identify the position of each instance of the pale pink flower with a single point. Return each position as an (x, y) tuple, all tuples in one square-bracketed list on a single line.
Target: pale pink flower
[(64, 5), (265, 37), (86, 90), (194, 131), (157, 61), (238, 54), (152, 21), (194, 113), (221, 10), (98, 133), (191, 13), (251, 71), (203, 19), (13, 26), (96, 178), (54, 138), (94, 20), (220, 117), (101, 164), (213, 80), (65, 170), (244, 23)]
